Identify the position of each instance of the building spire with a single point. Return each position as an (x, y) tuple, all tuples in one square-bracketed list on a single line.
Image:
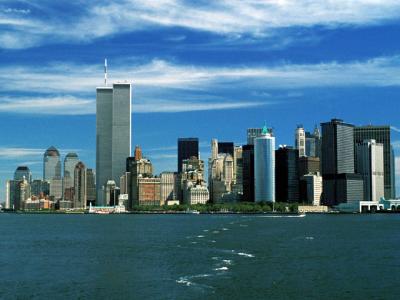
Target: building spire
[(105, 71)]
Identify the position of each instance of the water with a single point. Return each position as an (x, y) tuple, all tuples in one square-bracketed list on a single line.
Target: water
[(199, 256)]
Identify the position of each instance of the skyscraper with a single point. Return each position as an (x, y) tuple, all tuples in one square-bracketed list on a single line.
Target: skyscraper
[(226, 147), (70, 161), (187, 148), (248, 173), (80, 186), (287, 174), (300, 140), (253, 133), (370, 166), (23, 172), (340, 184), (264, 166), (52, 172), (113, 134), (381, 134), (91, 186)]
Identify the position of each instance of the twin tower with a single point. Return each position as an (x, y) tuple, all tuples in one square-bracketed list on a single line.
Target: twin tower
[(113, 133)]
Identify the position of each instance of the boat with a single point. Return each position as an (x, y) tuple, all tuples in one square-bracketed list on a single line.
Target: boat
[(195, 212)]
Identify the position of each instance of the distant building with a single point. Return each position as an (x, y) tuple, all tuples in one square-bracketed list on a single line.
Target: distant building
[(91, 187), (40, 187), (168, 186), (149, 191), (340, 183), (111, 193), (221, 178), (287, 174), (300, 140), (187, 148), (248, 173), (313, 143), (192, 171), (226, 148), (308, 164), (70, 161), (113, 134), (238, 171), (52, 172), (313, 188), (196, 194), (381, 134), (80, 186), (252, 134), (370, 165), (264, 166), (23, 172)]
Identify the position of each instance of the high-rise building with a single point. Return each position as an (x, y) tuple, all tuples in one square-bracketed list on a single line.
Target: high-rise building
[(113, 134), (221, 178), (23, 172), (253, 133), (264, 166), (111, 193), (187, 148), (393, 172), (287, 174), (340, 183), (300, 140), (12, 194), (313, 188), (214, 149), (40, 188), (381, 134), (168, 187), (80, 185), (370, 166), (309, 164), (248, 173), (238, 170), (149, 191), (313, 143), (91, 187), (226, 147), (195, 193), (52, 172), (70, 161)]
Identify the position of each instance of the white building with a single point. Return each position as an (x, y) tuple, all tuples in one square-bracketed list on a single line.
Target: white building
[(370, 166), (196, 194), (264, 167), (300, 140), (314, 188)]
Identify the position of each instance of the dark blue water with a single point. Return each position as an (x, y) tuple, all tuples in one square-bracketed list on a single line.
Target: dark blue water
[(199, 256)]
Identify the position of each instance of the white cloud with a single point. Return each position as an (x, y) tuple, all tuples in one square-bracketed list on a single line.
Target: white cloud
[(225, 17), (394, 128), (23, 153)]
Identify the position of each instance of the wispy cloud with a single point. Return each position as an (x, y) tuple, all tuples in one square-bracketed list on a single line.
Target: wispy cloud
[(24, 153), (226, 17), (394, 128)]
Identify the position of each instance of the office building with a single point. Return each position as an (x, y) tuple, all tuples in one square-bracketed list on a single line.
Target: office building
[(313, 188), (308, 164), (381, 134), (300, 140), (187, 148), (264, 166), (52, 172), (253, 133), (40, 188), (91, 187), (70, 161), (195, 193), (149, 191), (370, 165), (111, 193), (168, 186), (287, 174), (226, 148), (248, 173), (113, 134), (80, 186), (340, 183), (23, 172), (313, 143)]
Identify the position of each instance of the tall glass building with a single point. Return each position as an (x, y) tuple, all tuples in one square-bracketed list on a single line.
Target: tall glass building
[(21, 172), (51, 164), (70, 161), (264, 166), (187, 148), (113, 134)]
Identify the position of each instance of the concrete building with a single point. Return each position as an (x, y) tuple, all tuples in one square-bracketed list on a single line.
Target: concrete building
[(40, 188), (111, 193), (252, 134), (221, 178), (382, 135), (287, 174), (80, 186), (52, 172), (196, 194), (313, 183), (370, 165), (264, 166), (113, 134), (300, 140), (309, 164), (149, 191), (313, 143), (91, 187), (169, 186), (187, 148)]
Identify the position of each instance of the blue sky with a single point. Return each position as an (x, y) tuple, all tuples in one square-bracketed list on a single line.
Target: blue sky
[(199, 68)]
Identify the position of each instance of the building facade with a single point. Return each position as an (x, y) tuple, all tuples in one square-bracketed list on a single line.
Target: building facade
[(300, 140), (113, 134), (248, 173), (287, 174), (187, 148), (80, 186)]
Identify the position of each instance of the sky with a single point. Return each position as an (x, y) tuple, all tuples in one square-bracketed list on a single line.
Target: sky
[(206, 69)]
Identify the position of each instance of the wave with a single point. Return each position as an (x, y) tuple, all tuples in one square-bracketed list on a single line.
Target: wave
[(245, 254), (222, 269)]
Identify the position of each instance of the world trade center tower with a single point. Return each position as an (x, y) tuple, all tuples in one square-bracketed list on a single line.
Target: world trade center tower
[(113, 134)]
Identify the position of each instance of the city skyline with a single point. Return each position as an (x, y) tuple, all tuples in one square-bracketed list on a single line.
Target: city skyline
[(190, 79)]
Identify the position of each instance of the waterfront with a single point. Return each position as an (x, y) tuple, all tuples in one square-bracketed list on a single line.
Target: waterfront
[(199, 256)]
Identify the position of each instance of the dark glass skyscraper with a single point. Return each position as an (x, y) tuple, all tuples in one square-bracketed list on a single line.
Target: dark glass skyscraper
[(381, 134), (248, 173), (286, 174), (187, 147), (340, 184), (226, 147)]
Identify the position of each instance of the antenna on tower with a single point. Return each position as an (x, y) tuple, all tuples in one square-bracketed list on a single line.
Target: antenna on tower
[(105, 71)]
